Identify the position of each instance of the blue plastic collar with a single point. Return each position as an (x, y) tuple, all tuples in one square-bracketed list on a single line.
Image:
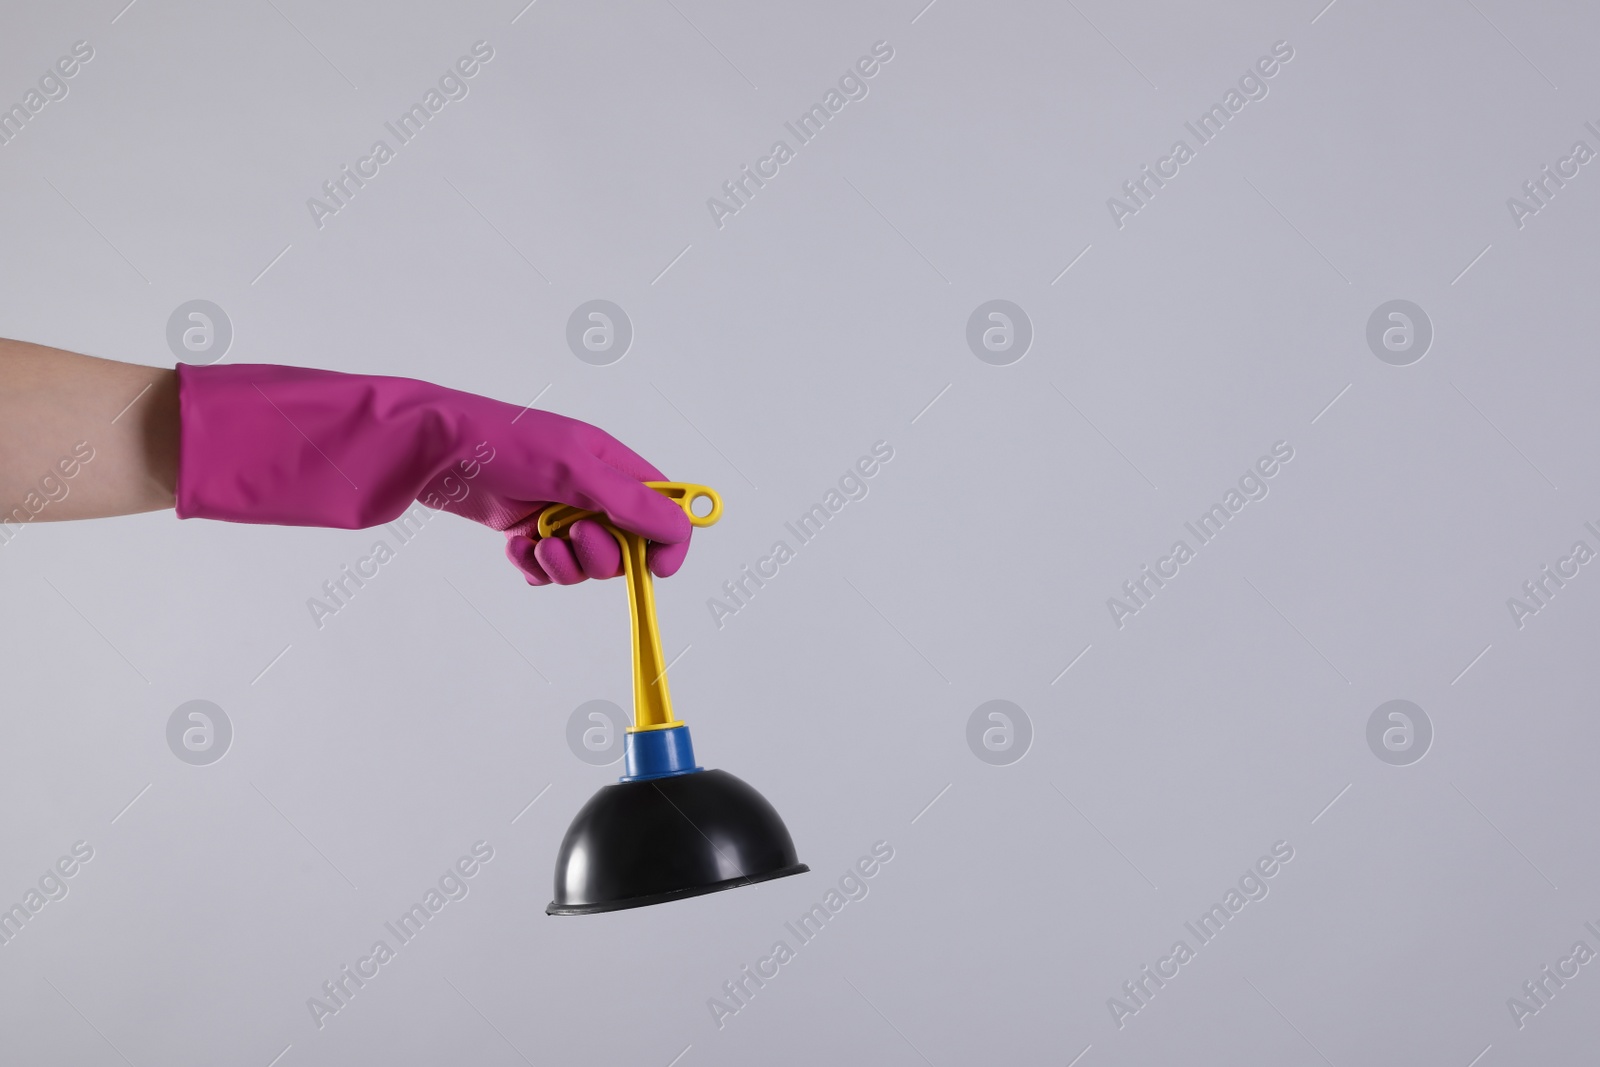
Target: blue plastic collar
[(657, 754)]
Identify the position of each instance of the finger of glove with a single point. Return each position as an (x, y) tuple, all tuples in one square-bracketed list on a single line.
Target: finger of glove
[(520, 551), (665, 559), (596, 549), (556, 557), (635, 507)]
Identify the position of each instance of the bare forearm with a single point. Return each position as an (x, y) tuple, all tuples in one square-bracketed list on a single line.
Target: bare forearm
[(82, 437)]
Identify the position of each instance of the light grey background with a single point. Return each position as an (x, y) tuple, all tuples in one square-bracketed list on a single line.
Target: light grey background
[(1229, 714)]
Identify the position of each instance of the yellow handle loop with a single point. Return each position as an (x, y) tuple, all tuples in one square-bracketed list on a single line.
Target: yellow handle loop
[(556, 518), (652, 700)]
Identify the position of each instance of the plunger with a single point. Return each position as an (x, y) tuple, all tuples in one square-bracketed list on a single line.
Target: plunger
[(667, 829)]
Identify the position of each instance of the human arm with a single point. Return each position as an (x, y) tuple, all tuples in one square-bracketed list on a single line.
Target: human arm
[(113, 425), (261, 443)]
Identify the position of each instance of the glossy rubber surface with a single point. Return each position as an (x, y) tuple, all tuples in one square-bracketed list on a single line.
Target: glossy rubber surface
[(647, 842)]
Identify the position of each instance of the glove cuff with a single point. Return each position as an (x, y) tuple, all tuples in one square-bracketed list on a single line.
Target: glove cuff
[(292, 446)]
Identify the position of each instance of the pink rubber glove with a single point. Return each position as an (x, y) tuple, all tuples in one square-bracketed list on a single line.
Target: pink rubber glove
[(298, 447)]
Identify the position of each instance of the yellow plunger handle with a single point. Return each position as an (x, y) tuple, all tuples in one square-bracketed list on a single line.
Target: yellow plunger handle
[(652, 700)]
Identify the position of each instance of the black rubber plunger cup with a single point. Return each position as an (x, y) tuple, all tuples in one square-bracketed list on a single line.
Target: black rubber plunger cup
[(668, 829), (651, 840)]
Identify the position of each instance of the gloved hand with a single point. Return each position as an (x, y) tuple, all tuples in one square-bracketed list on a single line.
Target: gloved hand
[(299, 447)]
